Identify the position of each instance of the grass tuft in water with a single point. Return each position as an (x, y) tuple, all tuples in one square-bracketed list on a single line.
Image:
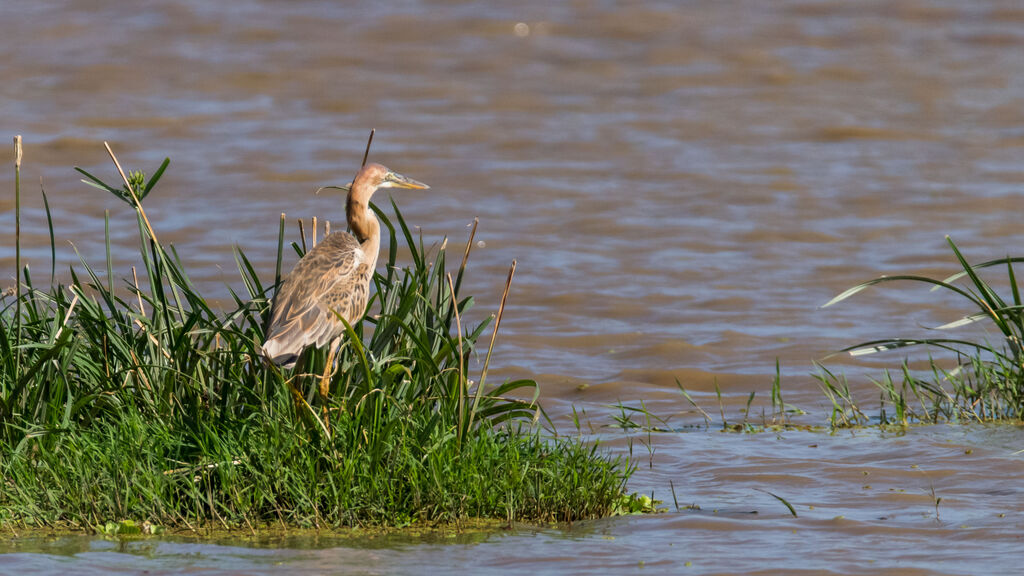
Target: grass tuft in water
[(141, 400), (986, 379)]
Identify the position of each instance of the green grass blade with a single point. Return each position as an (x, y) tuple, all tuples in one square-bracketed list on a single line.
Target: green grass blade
[(154, 178), (53, 244), (884, 279)]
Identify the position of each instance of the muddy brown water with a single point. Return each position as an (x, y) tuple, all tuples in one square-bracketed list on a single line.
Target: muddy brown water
[(682, 184)]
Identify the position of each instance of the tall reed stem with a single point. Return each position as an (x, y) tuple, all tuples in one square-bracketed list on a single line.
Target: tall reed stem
[(158, 249), (463, 389), (490, 348), (17, 252)]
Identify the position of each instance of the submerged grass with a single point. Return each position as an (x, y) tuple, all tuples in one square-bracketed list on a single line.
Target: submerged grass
[(986, 381), (142, 401), (965, 380)]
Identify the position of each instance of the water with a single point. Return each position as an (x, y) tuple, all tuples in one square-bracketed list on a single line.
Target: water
[(683, 185)]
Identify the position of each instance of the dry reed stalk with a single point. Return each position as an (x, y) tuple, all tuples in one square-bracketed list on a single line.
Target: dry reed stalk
[(302, 233), (490, 348), (67, 317), (280, 249), (366, 154), (17, 248), (463, 388), (138, 291), (135, 198)]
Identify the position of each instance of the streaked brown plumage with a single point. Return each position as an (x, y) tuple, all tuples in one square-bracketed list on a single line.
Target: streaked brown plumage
[(333, 278)]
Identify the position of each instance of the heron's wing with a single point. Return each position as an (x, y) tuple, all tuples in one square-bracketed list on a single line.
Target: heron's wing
[(329, 280)]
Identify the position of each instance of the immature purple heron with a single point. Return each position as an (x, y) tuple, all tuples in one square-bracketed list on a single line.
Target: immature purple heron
[(332, 279)]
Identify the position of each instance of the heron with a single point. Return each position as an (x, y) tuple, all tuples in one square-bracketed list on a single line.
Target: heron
[(332, 281)]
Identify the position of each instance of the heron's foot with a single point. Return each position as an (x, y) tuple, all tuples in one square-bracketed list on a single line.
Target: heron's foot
[(296, 396)]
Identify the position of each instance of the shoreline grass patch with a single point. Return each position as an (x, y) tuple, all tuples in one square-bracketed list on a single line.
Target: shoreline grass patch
[(137, 399)]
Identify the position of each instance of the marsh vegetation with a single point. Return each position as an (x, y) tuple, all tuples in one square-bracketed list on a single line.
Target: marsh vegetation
[(128, 394)]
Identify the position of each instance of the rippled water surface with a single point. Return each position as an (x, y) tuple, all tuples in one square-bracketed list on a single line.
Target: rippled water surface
[(682, 184)]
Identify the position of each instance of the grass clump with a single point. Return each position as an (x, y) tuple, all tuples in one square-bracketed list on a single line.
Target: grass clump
[(986, 381), (140, 400)]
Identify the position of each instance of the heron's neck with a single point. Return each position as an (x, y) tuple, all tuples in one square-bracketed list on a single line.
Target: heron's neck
[(361, 220)]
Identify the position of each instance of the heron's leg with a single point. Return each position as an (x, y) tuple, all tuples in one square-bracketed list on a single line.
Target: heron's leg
[(325, 380)]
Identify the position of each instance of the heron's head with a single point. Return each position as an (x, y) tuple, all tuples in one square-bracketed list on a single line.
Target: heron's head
[(374, 176)]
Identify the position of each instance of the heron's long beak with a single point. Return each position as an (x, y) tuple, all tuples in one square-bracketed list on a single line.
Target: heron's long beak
[(399, 181)]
